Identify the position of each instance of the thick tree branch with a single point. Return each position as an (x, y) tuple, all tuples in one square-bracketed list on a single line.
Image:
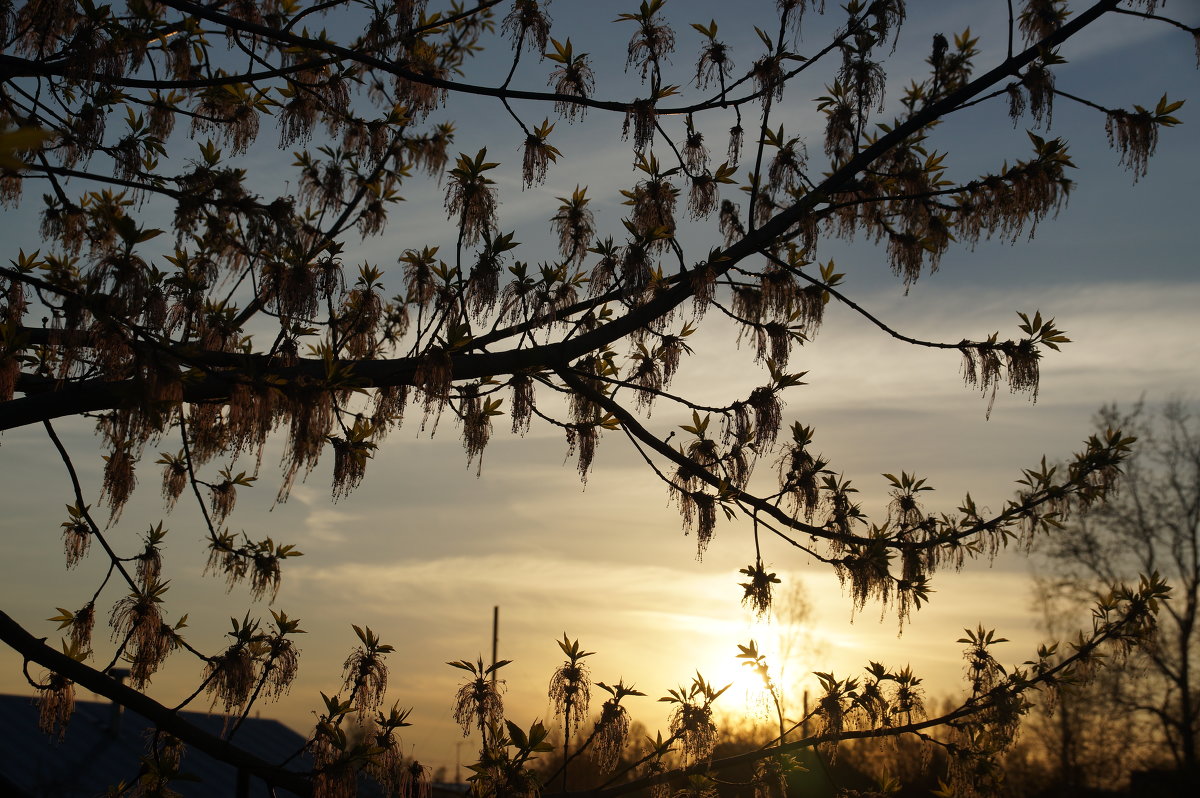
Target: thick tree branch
[(98, 396)]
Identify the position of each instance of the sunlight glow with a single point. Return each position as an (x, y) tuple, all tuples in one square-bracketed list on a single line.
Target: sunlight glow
[(748, 692)]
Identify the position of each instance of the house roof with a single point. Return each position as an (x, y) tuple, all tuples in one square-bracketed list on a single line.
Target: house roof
[(93, 756)]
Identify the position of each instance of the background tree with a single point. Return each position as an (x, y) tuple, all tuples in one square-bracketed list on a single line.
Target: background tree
[(238, 322), (1152, 525), (1069, 744), (799, 648)]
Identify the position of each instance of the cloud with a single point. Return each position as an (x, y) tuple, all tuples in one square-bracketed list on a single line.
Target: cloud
[(322, 521), (594, 584)]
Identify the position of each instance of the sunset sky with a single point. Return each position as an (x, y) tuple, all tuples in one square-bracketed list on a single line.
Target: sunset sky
[(424, 549)]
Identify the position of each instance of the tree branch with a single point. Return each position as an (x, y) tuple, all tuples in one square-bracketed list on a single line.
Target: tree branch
[(165, 719)]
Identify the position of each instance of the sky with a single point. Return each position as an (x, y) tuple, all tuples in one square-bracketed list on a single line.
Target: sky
[(425, 549)]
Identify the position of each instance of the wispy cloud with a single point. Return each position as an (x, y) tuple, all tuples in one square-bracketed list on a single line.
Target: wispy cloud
[(322, 521)]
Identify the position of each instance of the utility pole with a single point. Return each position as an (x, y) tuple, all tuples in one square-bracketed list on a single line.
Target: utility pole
[(495, 638)]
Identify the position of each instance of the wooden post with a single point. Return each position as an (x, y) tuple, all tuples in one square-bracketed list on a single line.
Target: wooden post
[(495, 639)]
